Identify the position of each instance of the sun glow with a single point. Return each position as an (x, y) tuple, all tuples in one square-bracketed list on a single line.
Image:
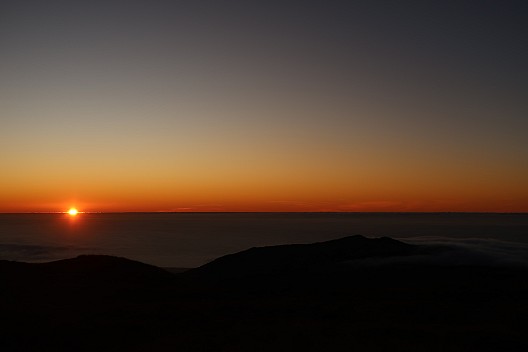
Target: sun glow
[(72, 211)]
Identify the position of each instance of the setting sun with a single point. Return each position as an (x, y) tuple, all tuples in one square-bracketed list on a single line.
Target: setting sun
[(72, 211)]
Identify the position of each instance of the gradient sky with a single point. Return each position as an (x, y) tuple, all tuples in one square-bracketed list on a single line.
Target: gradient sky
[(264, 106)]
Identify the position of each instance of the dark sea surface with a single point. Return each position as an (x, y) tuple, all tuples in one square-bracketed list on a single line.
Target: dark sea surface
[(193, 239)]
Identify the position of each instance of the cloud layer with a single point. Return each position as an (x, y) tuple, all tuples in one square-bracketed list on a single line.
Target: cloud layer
[(466, 251)]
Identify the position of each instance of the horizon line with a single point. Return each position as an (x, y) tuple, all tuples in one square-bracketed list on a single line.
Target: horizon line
[(271, 212)]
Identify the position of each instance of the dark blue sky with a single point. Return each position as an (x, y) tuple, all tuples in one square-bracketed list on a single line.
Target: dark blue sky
[(322, 104)]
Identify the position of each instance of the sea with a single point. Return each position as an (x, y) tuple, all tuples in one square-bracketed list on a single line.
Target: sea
[(188, 240)]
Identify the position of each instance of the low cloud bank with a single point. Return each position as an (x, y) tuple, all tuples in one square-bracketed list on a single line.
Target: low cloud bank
[(465, 251), (435, 250), (38, 253)]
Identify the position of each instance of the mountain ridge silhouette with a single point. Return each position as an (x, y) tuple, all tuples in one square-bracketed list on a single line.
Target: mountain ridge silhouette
[(298, 297), (325, 255)]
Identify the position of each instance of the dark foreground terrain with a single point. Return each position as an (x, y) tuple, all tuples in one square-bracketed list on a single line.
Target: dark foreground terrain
[(343, 295)]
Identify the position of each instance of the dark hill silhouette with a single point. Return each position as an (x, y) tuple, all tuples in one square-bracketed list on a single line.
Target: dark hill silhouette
[(87, 268), (319, 256), (281, 298)]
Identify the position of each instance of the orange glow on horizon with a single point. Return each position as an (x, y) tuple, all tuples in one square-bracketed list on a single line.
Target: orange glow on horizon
[(260, 127), (290, 202)]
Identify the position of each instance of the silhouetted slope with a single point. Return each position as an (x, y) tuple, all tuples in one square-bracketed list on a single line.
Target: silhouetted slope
[(87, 268), (302, 257), (78, 304), (280, 298)]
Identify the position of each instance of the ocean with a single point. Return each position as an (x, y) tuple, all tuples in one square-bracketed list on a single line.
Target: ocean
[(188, 240)]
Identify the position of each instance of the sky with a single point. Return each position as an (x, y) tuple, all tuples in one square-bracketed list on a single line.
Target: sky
[(263, 106)]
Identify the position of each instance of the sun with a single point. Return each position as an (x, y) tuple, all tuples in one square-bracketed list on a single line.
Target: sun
[(72, 211)]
